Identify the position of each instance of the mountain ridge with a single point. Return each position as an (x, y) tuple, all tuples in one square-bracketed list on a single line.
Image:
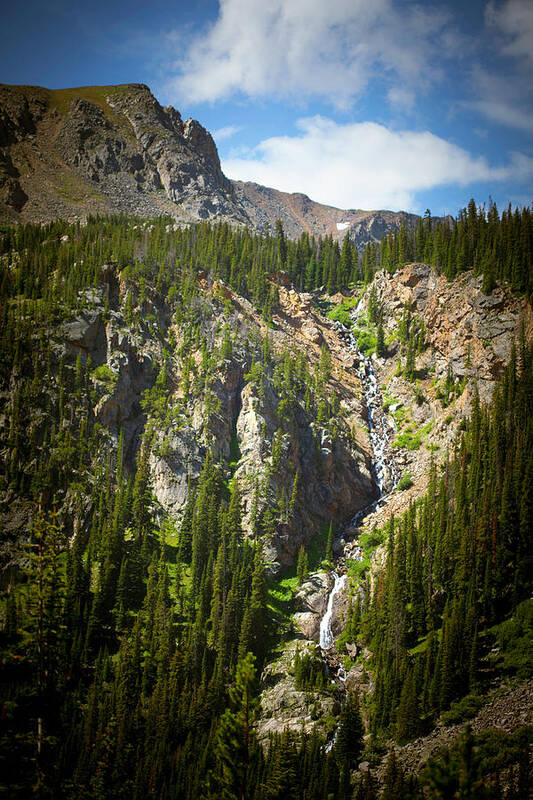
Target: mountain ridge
[(114, 149)]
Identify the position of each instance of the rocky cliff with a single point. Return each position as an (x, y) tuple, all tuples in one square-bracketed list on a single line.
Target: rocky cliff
[(237, 386), (466, 339), (68, 153)]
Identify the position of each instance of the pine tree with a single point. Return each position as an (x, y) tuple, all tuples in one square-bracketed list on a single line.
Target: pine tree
[(329, 545), (350, 732), (301, 568), (380, 341), (235, 739)]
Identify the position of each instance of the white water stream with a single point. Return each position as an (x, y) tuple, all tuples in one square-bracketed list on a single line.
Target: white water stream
[(383, 467), (326, 634), (385, 474)]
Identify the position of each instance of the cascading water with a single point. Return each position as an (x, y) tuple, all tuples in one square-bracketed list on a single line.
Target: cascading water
[(380, 430), (383, 466), (326, 634), (385, 474)]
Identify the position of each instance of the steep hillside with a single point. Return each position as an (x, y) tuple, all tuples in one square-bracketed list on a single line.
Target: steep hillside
[(254, 537)]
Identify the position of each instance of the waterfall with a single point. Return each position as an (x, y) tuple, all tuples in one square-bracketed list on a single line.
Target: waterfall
[(385, 474), (326, 634), (384, 469), (379, 428)]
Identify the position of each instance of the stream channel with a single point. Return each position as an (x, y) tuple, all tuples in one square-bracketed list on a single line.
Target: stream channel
[(385, 474)]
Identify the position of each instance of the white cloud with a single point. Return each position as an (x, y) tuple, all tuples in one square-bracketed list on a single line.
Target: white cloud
[(505, 112), (304, 48), (401, 98), (366, 165), (226, 132), (503, 99)]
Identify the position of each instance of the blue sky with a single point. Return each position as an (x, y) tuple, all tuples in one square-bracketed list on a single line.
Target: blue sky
[(383, 104)]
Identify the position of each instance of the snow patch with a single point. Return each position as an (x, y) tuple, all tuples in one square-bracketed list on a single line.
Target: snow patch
[(341, 226)]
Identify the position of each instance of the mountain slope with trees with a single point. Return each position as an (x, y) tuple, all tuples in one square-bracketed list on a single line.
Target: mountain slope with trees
[(178, 424)]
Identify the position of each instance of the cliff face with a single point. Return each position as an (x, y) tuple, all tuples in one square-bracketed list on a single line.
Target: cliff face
[(114, 149), (105, 149), (296, 471), (465, 341)]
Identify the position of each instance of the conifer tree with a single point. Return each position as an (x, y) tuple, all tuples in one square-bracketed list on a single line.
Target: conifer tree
[(235, 739)]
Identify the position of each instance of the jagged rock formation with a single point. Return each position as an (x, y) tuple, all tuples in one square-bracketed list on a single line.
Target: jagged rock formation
[(468, 341), (466, 330), (68, 153), (283, 706), (311, 601), (114, 149)]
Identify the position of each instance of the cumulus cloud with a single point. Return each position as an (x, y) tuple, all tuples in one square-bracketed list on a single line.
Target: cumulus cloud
[(366, 165), (303, 48)]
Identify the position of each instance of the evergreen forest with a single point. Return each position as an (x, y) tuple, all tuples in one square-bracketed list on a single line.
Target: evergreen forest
[(132, 641)]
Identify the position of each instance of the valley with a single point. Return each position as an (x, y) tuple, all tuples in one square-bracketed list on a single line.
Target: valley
[(266, 488)]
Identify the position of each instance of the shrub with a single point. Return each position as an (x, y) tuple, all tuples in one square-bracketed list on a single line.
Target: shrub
[(463, 709), (515, 638), (405, 482), (341, 313), (105, 375)]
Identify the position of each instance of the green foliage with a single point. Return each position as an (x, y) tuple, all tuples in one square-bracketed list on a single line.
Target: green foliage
[(411, 440), (456, 564), (302, 566), (408, 440), (124, 634), (105, 375), (472, 768), (341, 312), (405, 482), (462, 710), (366, 342), (515, 640), (349, 742), (235, 738), (309, 672), (328, 559), (368, 541)]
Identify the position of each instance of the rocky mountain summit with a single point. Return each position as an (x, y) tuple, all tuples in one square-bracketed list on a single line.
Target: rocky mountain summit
[(71, 152), (114, 149)]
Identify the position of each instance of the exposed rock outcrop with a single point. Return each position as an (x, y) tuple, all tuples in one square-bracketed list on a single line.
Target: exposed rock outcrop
[(283, 706), (234, 414), (73, 152), (300, 214), (311, 601), (467, 331)]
